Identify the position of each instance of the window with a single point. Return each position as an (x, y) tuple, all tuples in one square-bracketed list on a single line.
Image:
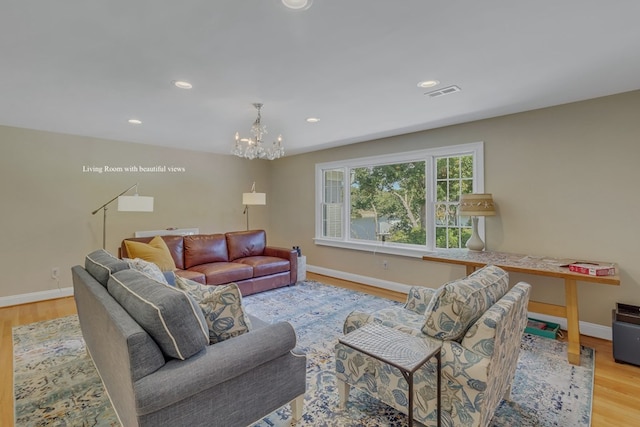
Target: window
[(333, 196), (453, 177), (402, 203)]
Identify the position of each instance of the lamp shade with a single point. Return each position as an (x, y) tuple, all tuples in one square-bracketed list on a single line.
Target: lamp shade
[(135, 203), (476, 205), (254, 198)]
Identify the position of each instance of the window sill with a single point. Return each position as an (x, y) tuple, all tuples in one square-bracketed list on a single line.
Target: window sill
[(377, 247)]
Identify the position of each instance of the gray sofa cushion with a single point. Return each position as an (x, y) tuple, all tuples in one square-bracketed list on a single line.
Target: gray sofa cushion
[(100, 264), (168, 314)]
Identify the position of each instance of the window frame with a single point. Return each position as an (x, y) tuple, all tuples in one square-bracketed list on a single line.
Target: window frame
[(429, 156)]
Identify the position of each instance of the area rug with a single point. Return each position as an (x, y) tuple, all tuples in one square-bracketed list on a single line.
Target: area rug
[(56, 383)]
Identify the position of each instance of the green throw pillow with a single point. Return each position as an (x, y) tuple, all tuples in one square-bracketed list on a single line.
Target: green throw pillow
[(221, 306)]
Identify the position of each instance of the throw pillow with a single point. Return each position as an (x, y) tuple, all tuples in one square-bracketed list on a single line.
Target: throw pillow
[(221, 306), (150, 269), (156, 251), (456, 305), (169, 315), (100, 264)]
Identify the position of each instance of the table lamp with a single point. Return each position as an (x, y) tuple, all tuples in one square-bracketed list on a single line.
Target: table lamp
[(476, 205)]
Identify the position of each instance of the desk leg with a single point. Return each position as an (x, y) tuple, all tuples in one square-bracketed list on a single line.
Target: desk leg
[(409, 377), (470, 269), (439, 385), (573, 325)]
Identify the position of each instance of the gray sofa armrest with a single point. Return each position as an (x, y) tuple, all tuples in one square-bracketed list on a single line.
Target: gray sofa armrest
[(418, 299), (180, 379)]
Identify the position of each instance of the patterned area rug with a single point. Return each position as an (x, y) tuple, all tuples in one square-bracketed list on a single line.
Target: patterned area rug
[(56, 383)]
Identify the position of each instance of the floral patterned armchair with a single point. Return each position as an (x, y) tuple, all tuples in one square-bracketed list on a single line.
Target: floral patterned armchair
[(480, 324)]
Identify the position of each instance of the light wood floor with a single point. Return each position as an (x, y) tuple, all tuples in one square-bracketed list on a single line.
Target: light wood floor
[(616, 394)]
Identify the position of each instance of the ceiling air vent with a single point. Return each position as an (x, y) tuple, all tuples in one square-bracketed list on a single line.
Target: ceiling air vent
[(444, 91)]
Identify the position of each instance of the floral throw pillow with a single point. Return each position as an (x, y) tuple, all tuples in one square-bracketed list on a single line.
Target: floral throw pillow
[(221, 306), (148, 268)]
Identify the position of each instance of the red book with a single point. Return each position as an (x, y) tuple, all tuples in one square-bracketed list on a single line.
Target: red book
[(593, 269)]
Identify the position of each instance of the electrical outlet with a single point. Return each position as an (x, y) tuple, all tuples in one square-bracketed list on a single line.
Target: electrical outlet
[(55, 273), (385, 264)]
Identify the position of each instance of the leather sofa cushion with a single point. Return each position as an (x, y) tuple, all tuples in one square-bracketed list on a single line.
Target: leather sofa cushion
[(204, 248), (242, 244), (174, 243), (196, 276), (218, 273), (265, 265)]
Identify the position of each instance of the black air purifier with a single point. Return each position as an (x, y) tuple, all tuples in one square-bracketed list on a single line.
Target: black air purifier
[(626, 334)]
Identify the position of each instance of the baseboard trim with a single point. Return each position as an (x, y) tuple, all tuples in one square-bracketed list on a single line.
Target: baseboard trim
[(35, 297), (586, 328), (371, 281)]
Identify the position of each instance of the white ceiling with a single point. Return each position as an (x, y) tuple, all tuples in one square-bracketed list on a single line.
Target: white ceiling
[(86, 66)]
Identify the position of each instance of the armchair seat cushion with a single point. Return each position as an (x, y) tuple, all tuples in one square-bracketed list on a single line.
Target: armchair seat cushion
[(394, 317)]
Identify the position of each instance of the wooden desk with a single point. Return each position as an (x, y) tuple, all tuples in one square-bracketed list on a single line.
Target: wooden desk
[(539, 266)]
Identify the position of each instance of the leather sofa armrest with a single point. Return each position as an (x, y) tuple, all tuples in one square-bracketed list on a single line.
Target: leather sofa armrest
[(280, 252), (215, 364), (288, 254)]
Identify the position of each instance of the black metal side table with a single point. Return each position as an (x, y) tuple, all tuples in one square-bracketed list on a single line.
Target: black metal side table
[(406, 352)]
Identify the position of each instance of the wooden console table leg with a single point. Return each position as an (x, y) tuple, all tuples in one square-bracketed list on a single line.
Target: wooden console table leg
[(573, 325)]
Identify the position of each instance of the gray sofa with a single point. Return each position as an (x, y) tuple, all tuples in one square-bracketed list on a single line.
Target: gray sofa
[(231, 383)]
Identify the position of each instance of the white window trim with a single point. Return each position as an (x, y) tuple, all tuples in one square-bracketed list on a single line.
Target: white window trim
[(427, 155)]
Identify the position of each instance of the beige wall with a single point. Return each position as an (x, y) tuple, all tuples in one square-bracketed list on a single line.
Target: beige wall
[(565, 180), (47, 199)]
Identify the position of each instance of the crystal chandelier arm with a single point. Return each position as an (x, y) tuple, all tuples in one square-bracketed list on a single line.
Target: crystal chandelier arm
[(252, 148)]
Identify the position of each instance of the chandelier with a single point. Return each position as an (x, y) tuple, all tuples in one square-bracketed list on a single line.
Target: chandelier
[(253, 148)]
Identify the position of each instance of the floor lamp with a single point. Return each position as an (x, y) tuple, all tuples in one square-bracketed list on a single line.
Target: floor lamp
[(251, 199), (476, 205), (133, 203)]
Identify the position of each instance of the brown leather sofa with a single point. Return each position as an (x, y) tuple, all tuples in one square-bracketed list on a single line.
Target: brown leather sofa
[(242, 257)]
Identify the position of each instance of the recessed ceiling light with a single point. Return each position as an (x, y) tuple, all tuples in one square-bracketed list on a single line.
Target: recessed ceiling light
[(135, 121), (428, 83), (312, 120), (297, 4), (182, 84)]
